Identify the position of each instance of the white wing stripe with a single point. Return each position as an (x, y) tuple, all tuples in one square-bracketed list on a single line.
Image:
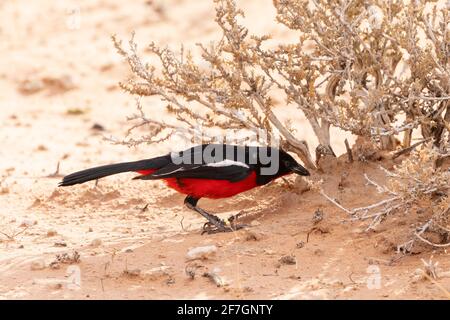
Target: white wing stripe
[(226, 163), (166, 173)]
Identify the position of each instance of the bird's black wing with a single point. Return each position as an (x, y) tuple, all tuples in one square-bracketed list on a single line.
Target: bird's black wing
[(225, 170)]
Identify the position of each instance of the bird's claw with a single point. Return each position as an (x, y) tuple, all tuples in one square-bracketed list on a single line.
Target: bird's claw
[(217, 225)]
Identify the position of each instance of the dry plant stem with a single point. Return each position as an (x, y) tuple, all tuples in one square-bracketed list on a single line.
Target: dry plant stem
[(414, 180), (437, 284), (333, 201), (300, 147), (366, 209), (349, 151), (55, 174), (379, 215), (215, 278), (13, 236), (409, 149), (437, 245)]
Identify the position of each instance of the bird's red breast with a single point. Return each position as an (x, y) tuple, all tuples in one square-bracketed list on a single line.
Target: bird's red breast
[(208, 188)]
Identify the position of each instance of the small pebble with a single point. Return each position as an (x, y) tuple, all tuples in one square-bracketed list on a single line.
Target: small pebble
[(97, 127), (300, 244), (96, 242), (37, 265), (51, 233), (201, 252), (289, 259), (156, 273), (28, 223), (60, 244), (54, 284), (132, 273)]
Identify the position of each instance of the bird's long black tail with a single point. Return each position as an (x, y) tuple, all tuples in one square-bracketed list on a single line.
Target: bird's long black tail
[(110, 169)]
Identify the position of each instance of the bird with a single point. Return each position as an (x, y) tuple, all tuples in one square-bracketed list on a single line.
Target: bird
[(214, 171)]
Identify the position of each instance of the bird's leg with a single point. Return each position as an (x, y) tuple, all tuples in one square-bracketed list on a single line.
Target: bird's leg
[(218, 223)]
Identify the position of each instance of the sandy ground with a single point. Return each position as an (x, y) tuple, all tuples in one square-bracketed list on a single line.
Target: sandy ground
[(129, 239)]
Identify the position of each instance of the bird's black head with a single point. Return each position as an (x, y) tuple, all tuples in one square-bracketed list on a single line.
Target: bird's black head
[(277, 164), (289, 165)]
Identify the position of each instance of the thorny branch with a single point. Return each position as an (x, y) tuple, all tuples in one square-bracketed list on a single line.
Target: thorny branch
[(416, 183)]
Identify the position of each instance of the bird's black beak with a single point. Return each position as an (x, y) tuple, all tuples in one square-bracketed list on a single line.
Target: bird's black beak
[(298, 169)]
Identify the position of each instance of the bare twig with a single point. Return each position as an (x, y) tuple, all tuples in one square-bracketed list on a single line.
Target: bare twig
[(55, 174), (215, 278), (14, 235), (437, 284), (409, 149), (333, 201), (437, 245), (349, 151)]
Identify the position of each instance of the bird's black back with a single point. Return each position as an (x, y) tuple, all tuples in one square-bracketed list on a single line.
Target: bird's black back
[(267, 162)]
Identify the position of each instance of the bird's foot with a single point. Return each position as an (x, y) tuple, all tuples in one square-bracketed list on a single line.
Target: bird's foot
[(216, 225)]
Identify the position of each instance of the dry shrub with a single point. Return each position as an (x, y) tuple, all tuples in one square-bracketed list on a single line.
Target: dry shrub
[(374, 68), (418, 185), (378, 69)]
